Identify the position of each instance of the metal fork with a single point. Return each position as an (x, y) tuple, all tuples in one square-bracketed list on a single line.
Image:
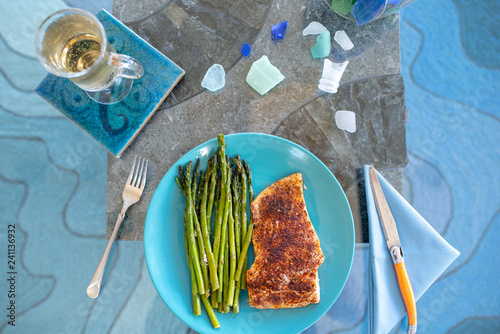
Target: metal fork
[(131, 195)]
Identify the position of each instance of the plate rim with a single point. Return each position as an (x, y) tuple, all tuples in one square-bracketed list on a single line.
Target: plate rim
[(243, 134)]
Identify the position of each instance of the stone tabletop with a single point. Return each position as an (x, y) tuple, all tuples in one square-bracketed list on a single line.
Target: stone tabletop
[(197, 34)]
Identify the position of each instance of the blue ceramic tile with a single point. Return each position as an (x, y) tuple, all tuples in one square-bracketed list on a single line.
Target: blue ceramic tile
[(115, 126)]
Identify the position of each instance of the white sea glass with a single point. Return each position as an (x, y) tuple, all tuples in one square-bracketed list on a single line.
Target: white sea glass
[(314, 28), (332, 73), (346, 120), (344, 40), (215, 78)]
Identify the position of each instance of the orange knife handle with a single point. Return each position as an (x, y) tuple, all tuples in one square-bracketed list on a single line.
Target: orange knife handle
[(405, 287), (406, 292)]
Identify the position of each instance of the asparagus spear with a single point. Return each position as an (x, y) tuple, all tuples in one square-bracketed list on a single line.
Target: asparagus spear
[(202, 252), (251, 198), (210, 312), (212, 266), (226, 277), (226, 263), (194, 183), (199, 194), (233, 235), (222, 199), (213, 297), (236, 301), (196, 305), (250, 187), (182, 182), (183, 188), (243, 176), (236, 185), (223, 236), (213, 183), (196, 302), (198, 234), (225, 307), (194, 286), (215, 207), (243, 211), (248, 236), (244, 251), (193, 250)]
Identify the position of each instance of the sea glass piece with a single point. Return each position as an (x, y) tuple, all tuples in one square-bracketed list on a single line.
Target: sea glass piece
[(332, 73), (263, 76), (344, 40), (279, 30), (246, 49), (214, 79), (314, 28), (366, 10), (343, 7), (346, 120), (323, 45)]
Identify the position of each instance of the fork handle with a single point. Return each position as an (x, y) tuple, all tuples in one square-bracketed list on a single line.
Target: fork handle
[(94, 286)]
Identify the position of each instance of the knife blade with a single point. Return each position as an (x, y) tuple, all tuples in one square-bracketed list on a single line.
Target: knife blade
[(394, 244)]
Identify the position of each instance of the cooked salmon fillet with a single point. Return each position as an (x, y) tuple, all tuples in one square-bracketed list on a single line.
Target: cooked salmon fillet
[(287, 250)]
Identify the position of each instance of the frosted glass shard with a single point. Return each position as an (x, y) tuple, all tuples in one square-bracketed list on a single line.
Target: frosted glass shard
[(344, 40), (366, 10), (314, 28), (215, 78), (263, 76), (343, 7), (346, 120), (246, 49), (279, 30), (323, 45), (332, 73)]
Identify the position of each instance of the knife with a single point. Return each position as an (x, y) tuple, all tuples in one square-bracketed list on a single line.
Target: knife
[(394, 245)]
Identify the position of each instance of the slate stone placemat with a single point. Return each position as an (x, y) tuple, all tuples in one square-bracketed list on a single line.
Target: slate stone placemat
[(371, 85)]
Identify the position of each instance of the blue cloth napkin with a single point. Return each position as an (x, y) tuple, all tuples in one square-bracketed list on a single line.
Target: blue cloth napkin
[(426, 255)]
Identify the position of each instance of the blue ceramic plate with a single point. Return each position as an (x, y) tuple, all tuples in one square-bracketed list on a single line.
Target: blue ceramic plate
[(271, 158)]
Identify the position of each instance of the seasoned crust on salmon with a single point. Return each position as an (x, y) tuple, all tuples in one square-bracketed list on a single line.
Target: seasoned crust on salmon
[(287, 249)]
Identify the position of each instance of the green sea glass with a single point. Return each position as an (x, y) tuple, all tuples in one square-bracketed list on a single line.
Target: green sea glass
[(343, 7), (263, 76), (323, 45)]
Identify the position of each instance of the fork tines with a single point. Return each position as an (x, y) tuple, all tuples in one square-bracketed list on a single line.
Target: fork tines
[(137, 176)]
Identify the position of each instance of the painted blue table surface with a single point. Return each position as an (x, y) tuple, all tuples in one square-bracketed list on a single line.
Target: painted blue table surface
[(54, 190)]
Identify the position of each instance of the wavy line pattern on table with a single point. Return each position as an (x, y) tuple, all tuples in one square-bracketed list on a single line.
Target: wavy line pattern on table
[(454, 127), (452, 134)]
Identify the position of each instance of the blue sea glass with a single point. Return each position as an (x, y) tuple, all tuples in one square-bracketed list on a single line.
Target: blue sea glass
[(246, 49), (279, 30), (366, 10)]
